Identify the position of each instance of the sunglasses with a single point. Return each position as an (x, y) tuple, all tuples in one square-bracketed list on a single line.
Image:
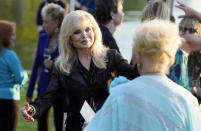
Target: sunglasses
[(190, 30)]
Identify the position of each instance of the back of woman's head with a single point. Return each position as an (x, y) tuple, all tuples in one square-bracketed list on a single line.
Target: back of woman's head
[(157, 40), (155, 10), (190, 22), (54, 12), (6, 31)]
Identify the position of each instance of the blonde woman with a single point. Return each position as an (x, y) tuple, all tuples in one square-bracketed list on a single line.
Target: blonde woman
[(82, 70), (179, 71), (156, 9), (151, 102), (193, 27)]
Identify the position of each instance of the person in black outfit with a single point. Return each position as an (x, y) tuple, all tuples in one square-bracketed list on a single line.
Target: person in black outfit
[(109, 14), (39, 20), (81, 72)]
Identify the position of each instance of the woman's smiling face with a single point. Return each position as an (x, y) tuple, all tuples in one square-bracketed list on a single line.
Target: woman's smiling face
[(83, 37)]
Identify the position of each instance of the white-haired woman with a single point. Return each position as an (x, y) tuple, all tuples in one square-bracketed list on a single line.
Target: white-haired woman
[(151, 102), (82, 71), (47, 52)]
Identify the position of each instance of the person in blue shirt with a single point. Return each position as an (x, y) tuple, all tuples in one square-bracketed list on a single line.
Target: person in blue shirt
[(151, 102), (12, 78), (48, 43)]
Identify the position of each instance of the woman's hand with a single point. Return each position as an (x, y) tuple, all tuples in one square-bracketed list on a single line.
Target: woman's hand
[(48, 63), (189, 12), (26, 113)]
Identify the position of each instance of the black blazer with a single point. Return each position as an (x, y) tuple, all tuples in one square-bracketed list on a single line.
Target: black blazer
[(108, 39), (83, 85)]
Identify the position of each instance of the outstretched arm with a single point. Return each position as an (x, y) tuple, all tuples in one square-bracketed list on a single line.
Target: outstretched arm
[(189, 12), (43, 102)]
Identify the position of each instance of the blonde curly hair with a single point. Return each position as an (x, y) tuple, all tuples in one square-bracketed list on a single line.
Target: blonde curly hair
[(157, 41)]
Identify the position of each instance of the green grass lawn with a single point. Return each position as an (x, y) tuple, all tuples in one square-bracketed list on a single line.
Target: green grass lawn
[(23, 125)]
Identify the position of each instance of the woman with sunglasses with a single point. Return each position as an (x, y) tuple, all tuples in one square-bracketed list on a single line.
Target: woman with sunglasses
[(179, 71), (192, 26)]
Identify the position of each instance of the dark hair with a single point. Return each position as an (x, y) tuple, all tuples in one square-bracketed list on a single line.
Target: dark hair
[(6, 30), (103, 8)]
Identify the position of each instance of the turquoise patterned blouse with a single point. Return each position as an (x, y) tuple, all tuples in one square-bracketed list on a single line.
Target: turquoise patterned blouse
[(179, 70)]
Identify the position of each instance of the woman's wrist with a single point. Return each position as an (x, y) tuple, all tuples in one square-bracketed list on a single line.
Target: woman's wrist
[(32, 110)]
